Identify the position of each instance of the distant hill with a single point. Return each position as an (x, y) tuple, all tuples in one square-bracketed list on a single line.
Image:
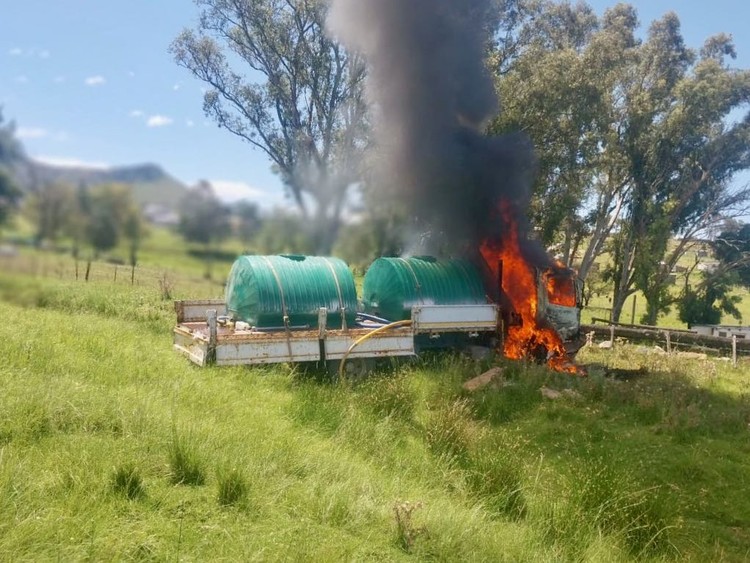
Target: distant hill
[(150, 183)]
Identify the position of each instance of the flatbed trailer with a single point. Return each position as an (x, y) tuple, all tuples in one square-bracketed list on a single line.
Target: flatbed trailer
[(204, 340)]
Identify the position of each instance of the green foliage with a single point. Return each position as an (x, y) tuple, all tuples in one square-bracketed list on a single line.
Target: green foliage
[(633, 137), (203, 218), (306, 112), (389, 396), (283, 233), (732, 249), (706, 304), (497, 482)]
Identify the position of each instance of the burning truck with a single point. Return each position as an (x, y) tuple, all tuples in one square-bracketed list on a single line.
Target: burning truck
[(431, 98), (306, 309)]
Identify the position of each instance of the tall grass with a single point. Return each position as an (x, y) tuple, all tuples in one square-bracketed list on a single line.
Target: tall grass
[(102, 427)]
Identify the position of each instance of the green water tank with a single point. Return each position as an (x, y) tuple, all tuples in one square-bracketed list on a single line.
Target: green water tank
[(393, 285), (262, 290)]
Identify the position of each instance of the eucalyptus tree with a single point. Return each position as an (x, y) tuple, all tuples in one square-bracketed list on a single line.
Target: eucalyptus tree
[(637, 140), (561, 90), (682, 149), (279, 82)]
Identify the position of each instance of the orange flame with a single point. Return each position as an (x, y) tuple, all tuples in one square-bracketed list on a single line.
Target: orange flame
[(527, 336), (560, 289)]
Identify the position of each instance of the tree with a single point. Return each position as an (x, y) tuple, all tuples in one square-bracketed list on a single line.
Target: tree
[(109, 207), (134, 230), (11, 150), (10, 153), (637, 141), (283, 233), (681, 151), (301, 103), (556, 90), (705, 304), (203, 220), (247, 221), (49, 208), (9, 196)]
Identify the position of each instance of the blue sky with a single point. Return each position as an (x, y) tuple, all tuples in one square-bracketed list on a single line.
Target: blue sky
[(91, 81)]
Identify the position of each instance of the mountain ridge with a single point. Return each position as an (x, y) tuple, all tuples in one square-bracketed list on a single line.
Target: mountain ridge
[(150, 183)]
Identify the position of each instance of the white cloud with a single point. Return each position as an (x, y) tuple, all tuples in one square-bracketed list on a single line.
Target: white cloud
[(176, 87), (22, 79), (44, 54), (41, 133), (32, 133), (159, 121), (136, 113), (97, 80), (59, 79), (131, 74), (231, 192), (190, 123), (15, 52), (66, 162)]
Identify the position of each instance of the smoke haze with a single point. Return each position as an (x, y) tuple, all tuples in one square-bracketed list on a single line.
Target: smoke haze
[(431, 97)]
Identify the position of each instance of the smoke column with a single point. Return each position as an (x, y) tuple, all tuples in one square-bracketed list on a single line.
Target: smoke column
[(431, 97)]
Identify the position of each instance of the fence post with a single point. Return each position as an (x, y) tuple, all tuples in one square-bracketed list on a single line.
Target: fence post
[(669, 343), (734, 350)]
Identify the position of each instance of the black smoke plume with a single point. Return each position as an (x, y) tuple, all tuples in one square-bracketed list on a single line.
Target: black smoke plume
[(432, 97)]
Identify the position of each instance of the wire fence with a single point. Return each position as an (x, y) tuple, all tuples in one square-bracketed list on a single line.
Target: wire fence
[(67, 268)]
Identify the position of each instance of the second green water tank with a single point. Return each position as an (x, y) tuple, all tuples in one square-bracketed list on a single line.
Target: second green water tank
[(261, 290), (392, 286)]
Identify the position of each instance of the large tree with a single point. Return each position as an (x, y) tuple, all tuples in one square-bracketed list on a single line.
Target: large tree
[(682, 150), (279, 82), (557, 75), (635, 139)]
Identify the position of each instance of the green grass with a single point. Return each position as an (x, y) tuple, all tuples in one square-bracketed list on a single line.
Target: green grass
[(114, 447)]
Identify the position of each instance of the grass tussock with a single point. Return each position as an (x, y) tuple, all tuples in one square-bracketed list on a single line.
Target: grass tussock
[(126, 480), (185, 461), (232, 486)]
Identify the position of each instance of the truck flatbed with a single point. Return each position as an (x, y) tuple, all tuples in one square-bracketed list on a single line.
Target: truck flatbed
[(200, 337)]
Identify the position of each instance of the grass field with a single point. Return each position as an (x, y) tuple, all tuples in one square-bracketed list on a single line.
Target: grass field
[(114, 447)]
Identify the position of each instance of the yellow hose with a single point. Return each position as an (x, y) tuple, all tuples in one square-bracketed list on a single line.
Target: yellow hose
[(361, 339)]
